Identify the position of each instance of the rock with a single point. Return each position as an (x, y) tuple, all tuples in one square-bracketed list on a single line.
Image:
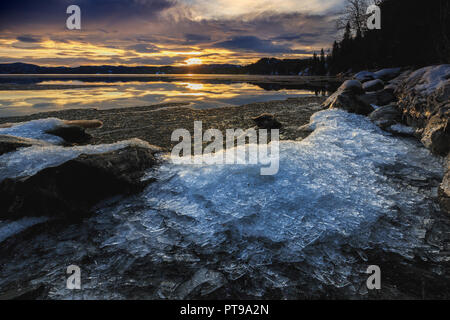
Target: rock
[(387, 74), (351, 104), (10, 143), (374, 85), (71, 134), (27, 292), (86, 124), (267, 121), (71, 190), (364, 76), (379, 98), (444, 189), (369, 98), (203, 281), (351, 86), (423, 94), (385, 96), (386, 116), (347, 97), (436, 135)]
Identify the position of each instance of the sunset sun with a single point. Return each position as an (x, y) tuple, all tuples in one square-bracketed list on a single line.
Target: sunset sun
[(193, 61)]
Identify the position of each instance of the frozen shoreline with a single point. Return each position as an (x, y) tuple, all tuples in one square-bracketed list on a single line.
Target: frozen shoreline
[(347, 196)]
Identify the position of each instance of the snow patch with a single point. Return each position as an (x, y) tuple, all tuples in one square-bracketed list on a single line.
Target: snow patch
[(431, 78)]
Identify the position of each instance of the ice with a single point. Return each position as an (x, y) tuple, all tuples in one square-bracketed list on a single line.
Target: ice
[(28, 161), (332, 191), (400, 128), (10, 228), (36, 129), (344, 195)]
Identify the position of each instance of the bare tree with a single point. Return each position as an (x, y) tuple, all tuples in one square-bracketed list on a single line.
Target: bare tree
[(354, 14)]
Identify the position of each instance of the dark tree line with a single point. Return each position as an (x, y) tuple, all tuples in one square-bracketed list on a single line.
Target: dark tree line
[(413, 33)]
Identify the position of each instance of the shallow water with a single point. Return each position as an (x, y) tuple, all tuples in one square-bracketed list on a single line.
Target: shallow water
[(200, 91), (346, 197)]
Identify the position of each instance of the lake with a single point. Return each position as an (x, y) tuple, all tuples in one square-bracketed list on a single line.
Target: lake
[(27, 94)]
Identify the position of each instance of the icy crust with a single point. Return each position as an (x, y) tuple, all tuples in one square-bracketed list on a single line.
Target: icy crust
[(330, 193), (36, 129), (8, 229), (329, 185), (29, 161), (346, 189)]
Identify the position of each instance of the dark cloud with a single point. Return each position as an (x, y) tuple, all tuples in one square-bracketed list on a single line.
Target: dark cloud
[(27, 38), (143, 48), (196, 38), (298, 37), (20, 13), (252, 43)]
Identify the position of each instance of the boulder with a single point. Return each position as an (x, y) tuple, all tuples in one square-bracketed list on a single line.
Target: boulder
[(347, 98), (71, 134), (444, 189), (387, 74), (436, 135), (364, 76), (379, 98), (386, 116), (351, 104), (385, 96), (423, 94), (351, 86), (374, 85), (267, 121), (10, 143), (70, 190)]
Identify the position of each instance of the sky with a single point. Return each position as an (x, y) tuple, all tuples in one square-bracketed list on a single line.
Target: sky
[(164, 32)]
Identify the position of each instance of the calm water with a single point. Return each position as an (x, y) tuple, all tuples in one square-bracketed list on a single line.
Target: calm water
[(201, 91)]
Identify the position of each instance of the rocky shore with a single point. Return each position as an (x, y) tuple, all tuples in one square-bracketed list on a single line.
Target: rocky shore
[(156, 123), (411, 103), (61, 191), (74, 171)]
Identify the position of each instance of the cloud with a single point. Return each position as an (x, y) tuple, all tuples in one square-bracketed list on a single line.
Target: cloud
[(28, 38), (20, 14), (196, 38), (143, 48), (252, 43), (159, 31)]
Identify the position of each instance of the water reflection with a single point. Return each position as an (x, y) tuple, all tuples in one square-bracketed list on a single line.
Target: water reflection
[(127, 91)]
